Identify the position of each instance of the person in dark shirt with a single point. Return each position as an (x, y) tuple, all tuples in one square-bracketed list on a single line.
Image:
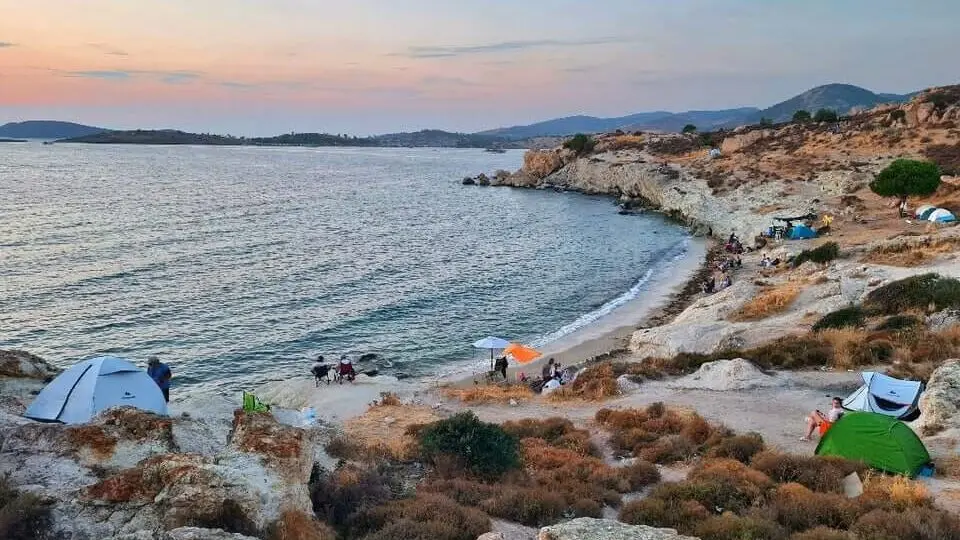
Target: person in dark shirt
[(501, 366), (547, 372), (161, 374)]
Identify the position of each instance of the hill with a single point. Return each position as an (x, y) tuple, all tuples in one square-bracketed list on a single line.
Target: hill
[(46, 129), (839, 97)]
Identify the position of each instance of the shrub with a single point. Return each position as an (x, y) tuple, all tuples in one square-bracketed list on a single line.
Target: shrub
[(739, 447), (426, 516), (802, 116), (581, 144), (689, 128), (825, 115), (640, 474), (729, 526), (790, 352), (338, 495), (764, 121), (822, 533), (531, 507), (820, 254), (946, 156), (822, 474), (587, 508), (798, 508), (915, 524), (898, 322), (898, 115), (22, 514), (556, 431), (486, 449), (923, 292), (594, 383), (681, 515), (906, 177), (841, 318), (715, 495), (490, 393)]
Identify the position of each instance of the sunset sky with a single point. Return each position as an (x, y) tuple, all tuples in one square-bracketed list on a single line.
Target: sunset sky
[(261, 67)]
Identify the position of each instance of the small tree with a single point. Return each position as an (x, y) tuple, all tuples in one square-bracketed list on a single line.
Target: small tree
[(689, 128), (764, 121), (905, 177), (485, 449), (802, 116), (825, 115), (580, 143)]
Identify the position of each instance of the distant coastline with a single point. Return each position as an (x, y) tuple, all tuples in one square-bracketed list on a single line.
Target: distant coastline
[(426, 138), (2, 140)]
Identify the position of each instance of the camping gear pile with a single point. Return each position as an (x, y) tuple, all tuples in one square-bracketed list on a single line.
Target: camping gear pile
[(873, 431), (933, 214)]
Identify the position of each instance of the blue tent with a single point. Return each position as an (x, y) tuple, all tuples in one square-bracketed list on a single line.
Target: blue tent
[(87, 388), (801, 232)]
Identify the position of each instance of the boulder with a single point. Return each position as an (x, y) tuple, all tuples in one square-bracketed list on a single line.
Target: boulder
[(541, 163), (942, 320), (25, 365), (491, 536), (940, 401), (196, 533), (626, 385), (482, 180), (467, 181), (606, 529), (722, 375)]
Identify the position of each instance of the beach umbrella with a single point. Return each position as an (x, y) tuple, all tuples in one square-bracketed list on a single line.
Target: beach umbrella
[(491, 343), (522, 354)]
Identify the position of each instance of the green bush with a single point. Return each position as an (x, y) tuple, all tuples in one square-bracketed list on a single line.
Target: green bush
[(739, 447), (822, 474), (335, 501), (802, 116), (689, 128), (825, 115), (898, 322), (820, 254), (841, 318), (906, 177), (486, 449), (923, 292), (581, 144), (898, 115), (764, 121)]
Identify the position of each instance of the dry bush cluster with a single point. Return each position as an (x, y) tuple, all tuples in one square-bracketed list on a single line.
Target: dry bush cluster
[(659, 434), (785, 497), (910, 254), (490, 393), (599, 381), (767, 302), (621, 142), (946, 156), (561, 476)]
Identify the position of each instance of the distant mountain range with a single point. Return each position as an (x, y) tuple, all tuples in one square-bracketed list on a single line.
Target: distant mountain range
[(841, 98), (46, 129)]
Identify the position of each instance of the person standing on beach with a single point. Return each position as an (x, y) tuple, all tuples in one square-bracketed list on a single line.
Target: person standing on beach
[(161, 374), (547, 372), (501, 366)]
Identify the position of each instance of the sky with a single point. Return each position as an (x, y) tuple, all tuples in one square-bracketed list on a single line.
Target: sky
[(263, 67)]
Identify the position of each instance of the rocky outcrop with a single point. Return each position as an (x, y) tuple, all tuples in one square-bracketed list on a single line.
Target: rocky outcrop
[(725, 375), (25, 365), (606, 529), (542, 163), (940, 401), (126, 474)]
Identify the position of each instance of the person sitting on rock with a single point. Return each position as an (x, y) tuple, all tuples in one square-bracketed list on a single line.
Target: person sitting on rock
[(816, 418)]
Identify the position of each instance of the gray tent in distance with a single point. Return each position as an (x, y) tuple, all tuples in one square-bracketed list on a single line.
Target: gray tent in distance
[(886, 395), (81, 392)]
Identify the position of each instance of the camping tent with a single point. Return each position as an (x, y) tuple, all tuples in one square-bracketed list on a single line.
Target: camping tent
[(941, 215), (87, 388), (880, 441), (800, 232), (885, 395), (924, 211)]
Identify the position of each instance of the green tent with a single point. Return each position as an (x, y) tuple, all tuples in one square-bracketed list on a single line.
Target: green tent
[(880, 441)]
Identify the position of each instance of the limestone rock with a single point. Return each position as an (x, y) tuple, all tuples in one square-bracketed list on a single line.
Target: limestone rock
[(940, 401), (195, 533), (606, 529), (25, 365), (468, 181), (942, 320), (541, 163), (722, 375), (491, 536), (625, 385)]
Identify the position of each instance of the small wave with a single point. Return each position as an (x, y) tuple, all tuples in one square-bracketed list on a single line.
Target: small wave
[(634, 291)]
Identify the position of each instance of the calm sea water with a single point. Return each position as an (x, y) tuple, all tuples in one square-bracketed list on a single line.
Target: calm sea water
[(240, 264)]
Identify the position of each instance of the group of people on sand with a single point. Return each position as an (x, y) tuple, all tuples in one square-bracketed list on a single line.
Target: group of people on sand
[(343, 370)]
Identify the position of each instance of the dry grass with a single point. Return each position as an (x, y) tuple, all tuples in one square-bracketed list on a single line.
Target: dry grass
[(385, 430), (948, 467), (897, 492), (593, 384), (767, 303), (620, 142), (911, 254), (490, 393), (848, 345)]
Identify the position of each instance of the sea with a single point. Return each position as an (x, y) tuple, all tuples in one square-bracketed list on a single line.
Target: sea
[(239, 265)]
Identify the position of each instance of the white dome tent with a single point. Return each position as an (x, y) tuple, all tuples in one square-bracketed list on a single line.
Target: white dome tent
[(81, 392), (886, 395), (941, 215), (925, 209)]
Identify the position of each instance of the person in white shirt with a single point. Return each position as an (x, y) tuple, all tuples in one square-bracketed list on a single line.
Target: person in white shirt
[(816, 417)]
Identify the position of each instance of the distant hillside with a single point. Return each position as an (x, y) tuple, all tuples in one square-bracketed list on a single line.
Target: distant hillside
[(839, 97), (426, 138), (46, 129)]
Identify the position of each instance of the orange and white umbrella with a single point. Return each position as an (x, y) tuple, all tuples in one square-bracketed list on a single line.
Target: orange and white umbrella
[(521, 353)]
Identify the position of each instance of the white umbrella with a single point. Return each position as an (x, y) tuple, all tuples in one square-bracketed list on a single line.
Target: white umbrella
[(492, 343)]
